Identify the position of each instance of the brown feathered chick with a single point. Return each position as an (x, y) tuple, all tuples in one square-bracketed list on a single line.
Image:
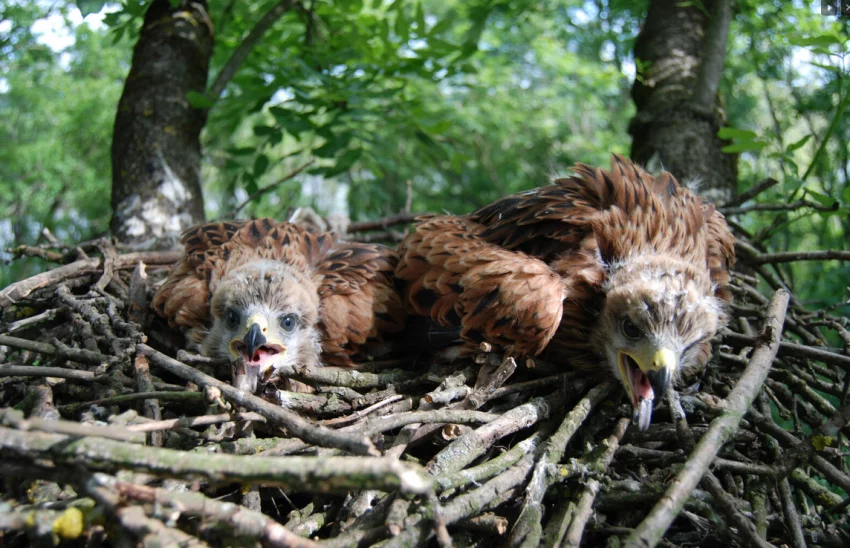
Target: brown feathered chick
[(275, 294), (615, 269)]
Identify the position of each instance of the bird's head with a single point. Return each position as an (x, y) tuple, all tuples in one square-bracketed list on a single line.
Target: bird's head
[(265, 312), (658, 318)]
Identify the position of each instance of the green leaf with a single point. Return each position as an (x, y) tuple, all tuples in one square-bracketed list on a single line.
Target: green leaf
[(251, 186), (345, 162), (744, 146), (87, 7), (734, 133), (441, 26), (846, 195), (264, 131), (198, 100), (241, 151), (822, 199), (823, 40), (329, 149), (420, 19), (831, 68), (292, 122), (354, 6), (792, 183), (261, 164), (402, 26), (799, 144)]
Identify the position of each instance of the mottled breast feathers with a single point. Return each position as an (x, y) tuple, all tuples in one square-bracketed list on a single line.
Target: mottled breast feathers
[(360, 302)]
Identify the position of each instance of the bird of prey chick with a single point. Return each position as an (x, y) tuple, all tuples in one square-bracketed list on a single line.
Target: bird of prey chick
[(615, 269), (276, 294)]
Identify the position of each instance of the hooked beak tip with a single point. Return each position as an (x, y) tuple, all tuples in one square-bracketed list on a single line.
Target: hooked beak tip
[(254, 339)]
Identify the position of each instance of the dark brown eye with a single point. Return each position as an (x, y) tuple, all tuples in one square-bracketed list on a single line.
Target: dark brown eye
[(289, 322), (630, 330), (231, 318)]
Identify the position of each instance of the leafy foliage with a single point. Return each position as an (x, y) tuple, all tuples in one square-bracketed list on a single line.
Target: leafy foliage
[(460, 102), (58, 108)]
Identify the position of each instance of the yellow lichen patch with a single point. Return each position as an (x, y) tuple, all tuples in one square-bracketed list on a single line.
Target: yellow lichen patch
[(70, 524), (822, 442), (245, 489)]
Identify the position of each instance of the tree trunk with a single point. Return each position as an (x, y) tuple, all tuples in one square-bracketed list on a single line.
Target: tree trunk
[(156, 149), (679, 54)]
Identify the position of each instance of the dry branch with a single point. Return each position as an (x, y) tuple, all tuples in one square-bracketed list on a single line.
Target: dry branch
[(296, 425), (321, 475), (17, 291)]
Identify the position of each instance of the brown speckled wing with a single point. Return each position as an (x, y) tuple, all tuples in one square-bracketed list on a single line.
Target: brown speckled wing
[(456, 277), (721, 252), (361, 303)]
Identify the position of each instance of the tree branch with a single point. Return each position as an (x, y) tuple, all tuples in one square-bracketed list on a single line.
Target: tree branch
[(714, 54), (274, 414), (241, 52)]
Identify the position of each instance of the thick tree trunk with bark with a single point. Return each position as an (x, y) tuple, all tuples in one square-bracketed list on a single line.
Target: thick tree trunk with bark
[(156, 149), (680, 52)]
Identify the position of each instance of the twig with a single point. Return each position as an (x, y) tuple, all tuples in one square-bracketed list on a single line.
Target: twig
[(268, 188), (73, 408), (794, 256), (133, 519), (276, 415), (385, 223), (26, 323), (15, 420), (750, 193), (825, 355), (793, 206), (56, 349), (19, 290), (470, 446), (188, 422), (361, 413), (792, 518), (56, 372), (245, 46), (243, 523), (109, 257), (724, 500), (321, 475), (495, 466), (651, 529), (584, 508), (351, 378), (528, 524), (144, 384)]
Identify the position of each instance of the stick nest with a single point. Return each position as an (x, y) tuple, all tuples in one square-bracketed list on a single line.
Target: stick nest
[(112, 433)]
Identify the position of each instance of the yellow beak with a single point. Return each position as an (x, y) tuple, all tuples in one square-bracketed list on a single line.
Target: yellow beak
[(646, 375), (256, 343)]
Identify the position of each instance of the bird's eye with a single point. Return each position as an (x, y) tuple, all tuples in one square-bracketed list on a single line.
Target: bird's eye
[(231, 318), (630, 330), (289, 322)]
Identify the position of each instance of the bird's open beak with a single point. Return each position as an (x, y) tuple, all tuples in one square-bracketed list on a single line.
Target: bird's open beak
[(646, 375), (257, 347)]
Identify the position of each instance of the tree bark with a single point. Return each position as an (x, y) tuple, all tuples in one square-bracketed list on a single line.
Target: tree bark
[(156, 149), (679, 54)]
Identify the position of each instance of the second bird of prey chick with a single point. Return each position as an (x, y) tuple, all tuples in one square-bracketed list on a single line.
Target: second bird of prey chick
[(276, 294), (615, 269)]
